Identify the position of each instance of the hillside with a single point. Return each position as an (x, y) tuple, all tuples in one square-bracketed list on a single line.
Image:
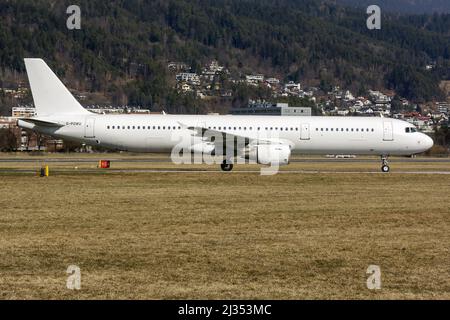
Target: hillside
[(404, 6), (122, 50)]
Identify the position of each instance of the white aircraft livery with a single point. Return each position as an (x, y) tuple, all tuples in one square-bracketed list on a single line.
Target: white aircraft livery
[(267, 140)]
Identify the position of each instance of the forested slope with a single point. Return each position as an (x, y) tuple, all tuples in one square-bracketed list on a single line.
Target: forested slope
[(123, 48)]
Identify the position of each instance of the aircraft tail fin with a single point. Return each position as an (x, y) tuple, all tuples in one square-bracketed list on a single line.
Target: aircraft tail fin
[(50, 95)]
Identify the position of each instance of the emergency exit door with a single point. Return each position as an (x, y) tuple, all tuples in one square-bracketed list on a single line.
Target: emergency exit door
[(388, 132), (304, 132)]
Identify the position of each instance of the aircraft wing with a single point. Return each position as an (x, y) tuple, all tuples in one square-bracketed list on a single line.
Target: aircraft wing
[(222, 138), (208, 133)]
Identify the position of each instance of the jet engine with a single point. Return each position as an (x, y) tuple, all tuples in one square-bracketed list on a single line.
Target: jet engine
[(270, 154)]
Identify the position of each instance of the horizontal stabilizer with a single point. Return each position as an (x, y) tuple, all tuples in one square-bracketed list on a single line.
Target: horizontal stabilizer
[(42, 123)]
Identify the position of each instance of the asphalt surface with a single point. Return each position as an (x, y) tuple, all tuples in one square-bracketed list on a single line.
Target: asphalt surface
[(180, 170), (159, 160), (191, 171)]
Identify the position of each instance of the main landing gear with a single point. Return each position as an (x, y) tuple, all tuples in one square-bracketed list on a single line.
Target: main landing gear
[(384, 167), (225, 166)]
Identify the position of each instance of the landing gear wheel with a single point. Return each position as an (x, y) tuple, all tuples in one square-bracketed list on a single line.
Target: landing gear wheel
[(384, 164), (226, 166)]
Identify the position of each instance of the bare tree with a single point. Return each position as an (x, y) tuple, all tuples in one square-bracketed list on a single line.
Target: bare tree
[(41, 140), (8, 140)]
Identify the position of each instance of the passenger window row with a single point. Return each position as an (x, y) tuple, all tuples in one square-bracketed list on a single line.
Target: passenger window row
[(210, 128), (248, 128), (345, 129), (143, 127), (251, 128)]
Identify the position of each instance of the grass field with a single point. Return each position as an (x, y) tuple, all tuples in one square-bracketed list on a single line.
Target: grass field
[(224, 235)]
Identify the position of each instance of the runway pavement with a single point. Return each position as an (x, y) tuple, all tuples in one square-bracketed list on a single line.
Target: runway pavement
[(160, 160), (72, 168), (196, 171)]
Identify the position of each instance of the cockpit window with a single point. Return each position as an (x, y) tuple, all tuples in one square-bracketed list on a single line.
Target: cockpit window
[(410, 130)]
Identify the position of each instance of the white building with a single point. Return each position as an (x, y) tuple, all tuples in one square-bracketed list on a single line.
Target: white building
[(273, 81), (349, 96), (254, 78), (358, 104), (292, 86), (186, 88), (116, 110), (7, 122), (189, 77), (215, 67), (176, 66), (343, 112), (443, 107), (23, 112), (378, 97), (267, 108)]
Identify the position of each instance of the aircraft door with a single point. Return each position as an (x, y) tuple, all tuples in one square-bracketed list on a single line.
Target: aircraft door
[(89, 128), (304, 132), (388, 132)]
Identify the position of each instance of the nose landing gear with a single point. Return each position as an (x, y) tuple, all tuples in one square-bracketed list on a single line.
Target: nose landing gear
[(384, 167)]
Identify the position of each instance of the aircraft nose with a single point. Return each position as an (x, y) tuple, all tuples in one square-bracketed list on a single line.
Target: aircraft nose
[(426, 142)]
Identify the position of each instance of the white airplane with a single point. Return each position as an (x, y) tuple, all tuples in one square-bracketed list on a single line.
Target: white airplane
[(268, 140)]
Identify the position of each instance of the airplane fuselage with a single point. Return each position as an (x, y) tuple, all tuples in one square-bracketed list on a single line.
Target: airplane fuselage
[(308, 135)]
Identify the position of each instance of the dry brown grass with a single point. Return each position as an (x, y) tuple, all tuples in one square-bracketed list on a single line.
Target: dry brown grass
[(214, 235)]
